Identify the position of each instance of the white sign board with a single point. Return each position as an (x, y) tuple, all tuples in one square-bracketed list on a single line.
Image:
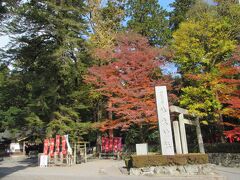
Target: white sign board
[(142, 149), (164, 120), (15, 147), (43, 161)]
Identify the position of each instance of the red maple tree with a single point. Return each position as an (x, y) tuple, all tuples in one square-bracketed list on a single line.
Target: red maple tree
[(231, 71), (128, 80), (230, 76)]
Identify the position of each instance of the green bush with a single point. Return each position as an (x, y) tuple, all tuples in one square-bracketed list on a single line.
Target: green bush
[(222, 148)]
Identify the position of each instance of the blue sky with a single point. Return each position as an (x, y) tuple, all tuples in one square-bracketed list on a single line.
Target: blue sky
[(165, 4)]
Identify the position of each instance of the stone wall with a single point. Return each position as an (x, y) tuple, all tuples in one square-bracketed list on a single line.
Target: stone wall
[(225, 159), (199, 169)]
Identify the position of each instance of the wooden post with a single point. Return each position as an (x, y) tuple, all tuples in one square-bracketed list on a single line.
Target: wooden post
[(55, 158), (199, 136), (61, 157), (85, 152), (24, 148), (75, 153), (110, 116)]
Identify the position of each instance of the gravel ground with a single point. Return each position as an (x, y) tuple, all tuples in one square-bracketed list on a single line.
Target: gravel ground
[(26, 169), (230, 173)]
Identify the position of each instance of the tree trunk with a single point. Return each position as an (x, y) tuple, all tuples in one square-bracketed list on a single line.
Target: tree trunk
[(141, 134), (221, 128), (110, 117), (220, 123)]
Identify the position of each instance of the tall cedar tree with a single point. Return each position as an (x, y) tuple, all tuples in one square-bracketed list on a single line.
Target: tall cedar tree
[(6, 6), (49, 57), (149, 19), (129, 80), (178, 14)]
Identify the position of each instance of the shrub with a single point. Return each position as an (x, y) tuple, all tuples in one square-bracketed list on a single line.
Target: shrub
[(222, 148), (167, 160)]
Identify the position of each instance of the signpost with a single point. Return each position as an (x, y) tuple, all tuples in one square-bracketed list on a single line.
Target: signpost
[(43, 160)]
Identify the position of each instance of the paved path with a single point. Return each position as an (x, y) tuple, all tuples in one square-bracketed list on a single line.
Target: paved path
[(230, 173), (26, 169)]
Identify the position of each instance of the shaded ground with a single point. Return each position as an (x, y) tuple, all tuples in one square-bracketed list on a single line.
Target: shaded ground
[(27, 169), (12, 165)]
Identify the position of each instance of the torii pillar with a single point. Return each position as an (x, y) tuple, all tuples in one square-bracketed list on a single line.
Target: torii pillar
[(180, 132)]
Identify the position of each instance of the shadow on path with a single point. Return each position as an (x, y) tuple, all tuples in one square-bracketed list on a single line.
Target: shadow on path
[(12, 165)]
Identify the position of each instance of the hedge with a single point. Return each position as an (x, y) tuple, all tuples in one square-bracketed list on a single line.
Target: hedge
[(222, 148), (166, 160)]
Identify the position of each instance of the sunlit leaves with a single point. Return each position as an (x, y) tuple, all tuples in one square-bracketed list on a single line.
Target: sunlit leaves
[(128, 82)]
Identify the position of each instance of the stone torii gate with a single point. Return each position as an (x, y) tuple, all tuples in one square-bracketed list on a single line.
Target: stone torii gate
[(180, 132)]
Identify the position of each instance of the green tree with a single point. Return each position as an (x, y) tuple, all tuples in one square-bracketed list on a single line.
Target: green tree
[(105, 21), (12, 99), (203, 45), (178, 14), (200, 45), (49, 56), (6, 6), (149, 19), (231, 13)]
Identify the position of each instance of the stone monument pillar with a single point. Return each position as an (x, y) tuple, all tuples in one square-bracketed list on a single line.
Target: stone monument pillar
[(164, 122)]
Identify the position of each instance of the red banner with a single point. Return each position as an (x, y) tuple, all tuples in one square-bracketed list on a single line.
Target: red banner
[(57, 150), (106, 145), (64, 151), (119, 143), (51, 147), (115, 144), (111, 144), (45, 148)]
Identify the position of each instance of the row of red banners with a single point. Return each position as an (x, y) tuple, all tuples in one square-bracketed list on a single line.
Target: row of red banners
[(49, 146), (108, 145), (111, 144)]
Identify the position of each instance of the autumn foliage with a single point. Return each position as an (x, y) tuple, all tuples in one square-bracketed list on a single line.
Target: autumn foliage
[(231, 71), (224, 83), (128, 81), (233, 135)]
